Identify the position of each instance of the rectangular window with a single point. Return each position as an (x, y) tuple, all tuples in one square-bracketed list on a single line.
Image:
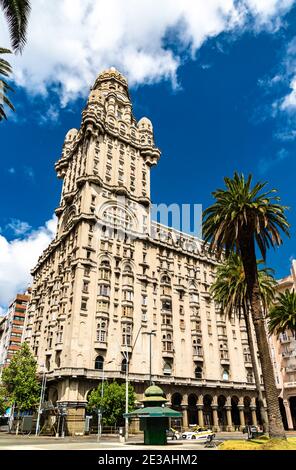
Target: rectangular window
[(104, 290), (84, 304), (85, 286)]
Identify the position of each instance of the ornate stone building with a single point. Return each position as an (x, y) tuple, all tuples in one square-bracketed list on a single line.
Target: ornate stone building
[(283, 353), (111, 276)]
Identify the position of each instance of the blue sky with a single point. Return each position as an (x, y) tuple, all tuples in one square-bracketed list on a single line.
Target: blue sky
[(226, 105)]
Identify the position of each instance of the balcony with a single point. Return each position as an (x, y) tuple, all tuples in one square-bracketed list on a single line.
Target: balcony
[(168, 354), (100, 345), (289, 384), (285, 339), (197, 357), (287, 354), (224, 361), (248, 364)]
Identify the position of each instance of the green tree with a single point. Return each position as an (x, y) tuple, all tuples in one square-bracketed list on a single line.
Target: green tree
[(112, 403), (230, 291), (4, 400), (21, 381), (16, 13), (282, 315), (241, 219)]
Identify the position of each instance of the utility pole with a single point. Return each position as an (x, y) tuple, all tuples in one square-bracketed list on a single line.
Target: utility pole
[(126, 384), (43, 386)]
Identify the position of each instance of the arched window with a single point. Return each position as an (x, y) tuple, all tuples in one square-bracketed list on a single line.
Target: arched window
[(197, 347), (165, 280), (225, 375), (102, 331), (167, 342), (99, 363), (127, 335), (123, 365), (198, 372), (223, 351), (104, 270), (167, 369), (250, 378), (118, 217), (247, 355)]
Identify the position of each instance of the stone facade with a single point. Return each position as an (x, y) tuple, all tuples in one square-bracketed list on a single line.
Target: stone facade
[(111, 275), (283, 352), (11, 328)]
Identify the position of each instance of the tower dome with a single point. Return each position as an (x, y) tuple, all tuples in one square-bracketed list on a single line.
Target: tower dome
[(145, 124), (71, 134), (111, 74)]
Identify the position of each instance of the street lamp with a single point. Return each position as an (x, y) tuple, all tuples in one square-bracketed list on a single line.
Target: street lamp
[(43, 386), (100, 412), (150, 333), (126, 356)]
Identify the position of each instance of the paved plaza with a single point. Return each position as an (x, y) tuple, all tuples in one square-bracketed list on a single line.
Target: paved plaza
[(24, 442)]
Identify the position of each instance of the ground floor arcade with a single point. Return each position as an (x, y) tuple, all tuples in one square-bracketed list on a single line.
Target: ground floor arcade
[(222, 409)]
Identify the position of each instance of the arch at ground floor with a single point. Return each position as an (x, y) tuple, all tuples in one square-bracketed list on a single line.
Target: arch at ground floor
[(288, 410)]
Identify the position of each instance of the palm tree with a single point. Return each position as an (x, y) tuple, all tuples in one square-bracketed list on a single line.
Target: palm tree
[(230, 292), (282, 315), (17, 14), (241, 219), (5, 70)]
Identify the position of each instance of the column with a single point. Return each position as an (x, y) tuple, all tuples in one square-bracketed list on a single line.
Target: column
[(185, 416), (241, 416), (228, 414), (254, 416), (215, 417), (200, 411), (288, 414)]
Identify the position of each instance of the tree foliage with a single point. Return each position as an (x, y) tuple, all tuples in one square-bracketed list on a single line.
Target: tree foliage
[(4, 400), (230, 287), (243, 218), (112, 404), (21, 381), (16, 13), (5, 71), (239, 208), (282, 315)]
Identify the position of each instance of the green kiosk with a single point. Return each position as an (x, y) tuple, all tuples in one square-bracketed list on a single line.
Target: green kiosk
[(154, 416)]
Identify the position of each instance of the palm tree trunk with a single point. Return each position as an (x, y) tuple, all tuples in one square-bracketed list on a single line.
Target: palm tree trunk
[(255, 370), (247, 249)]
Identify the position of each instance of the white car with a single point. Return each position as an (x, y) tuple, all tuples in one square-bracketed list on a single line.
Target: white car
[(199, 435)]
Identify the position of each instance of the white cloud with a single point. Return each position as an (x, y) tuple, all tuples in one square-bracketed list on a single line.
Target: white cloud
[(18, 257), (289, 102), (70, 41), (265, 164), (18, 227)]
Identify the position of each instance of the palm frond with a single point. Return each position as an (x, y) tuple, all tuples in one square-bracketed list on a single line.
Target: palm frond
[(5, 71), (282, 316), (240, 209), (17, 13)]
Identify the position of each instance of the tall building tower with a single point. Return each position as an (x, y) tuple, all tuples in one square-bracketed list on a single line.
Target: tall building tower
[(11, 327), (112, 281)]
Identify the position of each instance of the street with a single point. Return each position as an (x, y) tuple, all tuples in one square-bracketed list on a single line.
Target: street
[(25, 442)]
